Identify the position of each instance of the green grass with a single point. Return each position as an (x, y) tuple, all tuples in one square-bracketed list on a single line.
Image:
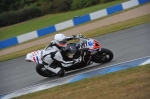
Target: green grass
[(48, 20), (132, 83), (92, 33)]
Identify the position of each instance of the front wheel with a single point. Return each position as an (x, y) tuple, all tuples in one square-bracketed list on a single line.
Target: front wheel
[(103, 56), (43, 72)]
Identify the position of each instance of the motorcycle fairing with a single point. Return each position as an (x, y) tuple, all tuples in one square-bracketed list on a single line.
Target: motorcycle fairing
[(93, 44), (35, 56)]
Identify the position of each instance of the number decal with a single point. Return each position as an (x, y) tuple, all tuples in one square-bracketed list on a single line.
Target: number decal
[(90, 43)]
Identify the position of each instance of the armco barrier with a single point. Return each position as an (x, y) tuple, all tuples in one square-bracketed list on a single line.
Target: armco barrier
[(8, 42), (46, 31), (81, 19), (114, 9), (70, 23)]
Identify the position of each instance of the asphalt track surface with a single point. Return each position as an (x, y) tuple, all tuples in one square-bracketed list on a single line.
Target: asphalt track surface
[(126, 45)]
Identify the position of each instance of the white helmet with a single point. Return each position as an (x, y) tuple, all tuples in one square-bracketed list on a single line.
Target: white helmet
[(60, 40)]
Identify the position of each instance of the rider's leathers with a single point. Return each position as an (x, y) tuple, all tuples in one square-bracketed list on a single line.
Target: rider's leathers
[(53, 53)]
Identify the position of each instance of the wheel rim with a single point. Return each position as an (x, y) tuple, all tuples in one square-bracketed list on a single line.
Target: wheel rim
[(102, 57), (105, 56)]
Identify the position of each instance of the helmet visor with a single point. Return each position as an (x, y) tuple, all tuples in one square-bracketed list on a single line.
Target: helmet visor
[(62, 43)]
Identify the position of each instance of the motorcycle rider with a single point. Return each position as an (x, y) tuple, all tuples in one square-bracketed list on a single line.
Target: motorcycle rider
[(52, 53)]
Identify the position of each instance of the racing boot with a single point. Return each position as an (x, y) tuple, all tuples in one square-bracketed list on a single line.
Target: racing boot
[(61, 73), (90, 62)]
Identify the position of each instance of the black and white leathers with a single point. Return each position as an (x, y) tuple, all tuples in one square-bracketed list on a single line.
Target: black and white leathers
[(51, 53)]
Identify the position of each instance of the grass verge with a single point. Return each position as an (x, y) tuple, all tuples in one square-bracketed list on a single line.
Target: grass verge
[(91, 33), (133, 83), (48, 20)]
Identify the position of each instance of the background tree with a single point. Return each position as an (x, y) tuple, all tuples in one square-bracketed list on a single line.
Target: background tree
[(61, 5), (15, 11)]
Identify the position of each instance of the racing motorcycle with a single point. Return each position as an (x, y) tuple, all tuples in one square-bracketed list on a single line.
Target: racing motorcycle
[(88, 49)]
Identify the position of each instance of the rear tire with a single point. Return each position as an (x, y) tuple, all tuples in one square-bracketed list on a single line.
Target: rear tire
[(43, 73), (103, 56)]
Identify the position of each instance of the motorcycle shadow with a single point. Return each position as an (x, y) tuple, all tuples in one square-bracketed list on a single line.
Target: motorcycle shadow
[(89, 68), (82, 70)]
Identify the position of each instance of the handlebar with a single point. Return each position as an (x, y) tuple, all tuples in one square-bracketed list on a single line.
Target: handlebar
[(79, 36)]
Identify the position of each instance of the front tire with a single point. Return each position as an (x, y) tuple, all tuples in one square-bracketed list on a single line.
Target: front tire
[(103, 56)]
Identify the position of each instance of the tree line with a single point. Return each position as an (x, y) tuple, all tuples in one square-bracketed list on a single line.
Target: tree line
[(15, 11)]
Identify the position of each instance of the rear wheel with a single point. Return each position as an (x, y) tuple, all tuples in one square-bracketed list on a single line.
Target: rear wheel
[(43, 72), (103, 56)]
